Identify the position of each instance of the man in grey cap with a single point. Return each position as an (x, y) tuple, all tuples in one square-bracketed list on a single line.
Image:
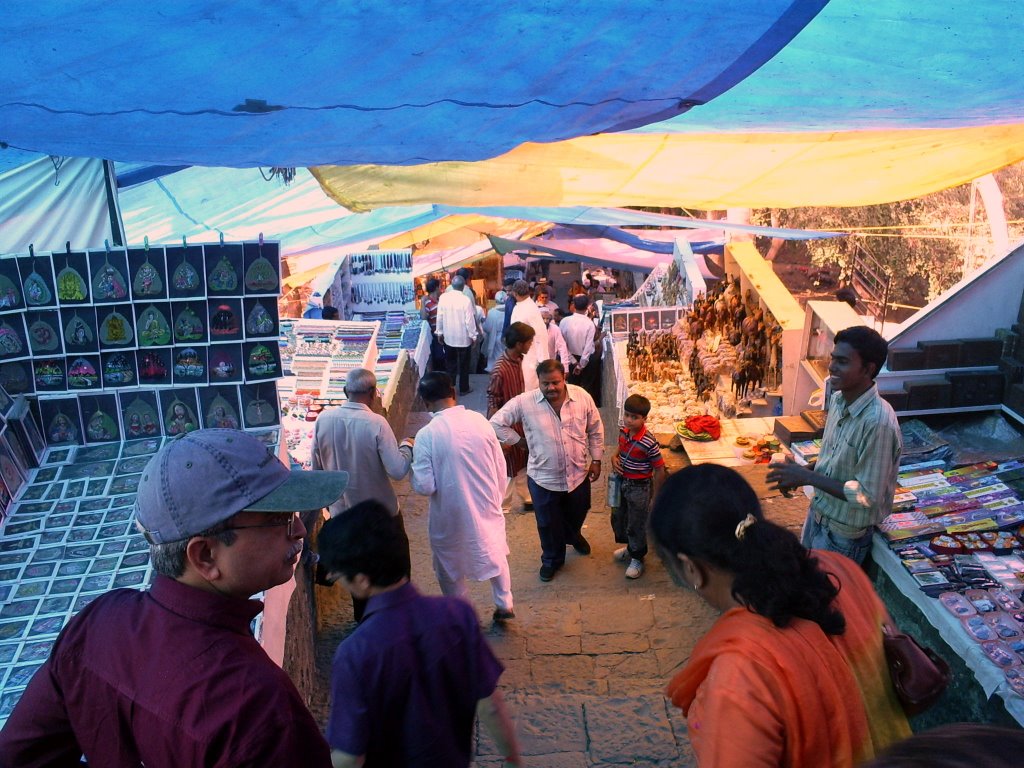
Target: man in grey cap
[(173, 676)]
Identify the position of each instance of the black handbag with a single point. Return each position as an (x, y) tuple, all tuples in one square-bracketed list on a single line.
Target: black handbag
[(919, 675)]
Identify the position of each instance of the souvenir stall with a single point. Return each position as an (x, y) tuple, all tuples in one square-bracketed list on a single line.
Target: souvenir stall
[(104, 355)]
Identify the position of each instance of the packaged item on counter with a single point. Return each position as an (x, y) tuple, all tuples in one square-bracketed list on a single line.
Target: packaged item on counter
[(1003, 625), (979, 631), (958, 605), (1006, 600), (1000, 654), (981, 600)]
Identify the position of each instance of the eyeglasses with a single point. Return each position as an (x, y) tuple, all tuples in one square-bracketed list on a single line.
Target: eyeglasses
[(277, 521)]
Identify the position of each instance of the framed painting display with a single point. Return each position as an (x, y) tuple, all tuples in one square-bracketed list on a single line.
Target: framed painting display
[(148, 274), (185, 272), (13, 337), (188, 320), (178, 409), (119, 369), (262, 360), (262, 264), (224, 269), (140, 414), (260, 405), (261, 318), (78, 330), (62, 422), (115, 329), (44, 335), (225, 361), (100, 415), (71, 270), (154, 366), (219, 407), (153, 324), (16, 377), (49, 374), (225, 319), (83, 372), (11, 296), (190, 366), (13, 475), (108, 270), (37, 281)]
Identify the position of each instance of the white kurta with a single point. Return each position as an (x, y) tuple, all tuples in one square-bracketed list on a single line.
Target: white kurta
[(457, 462), (527, 312)]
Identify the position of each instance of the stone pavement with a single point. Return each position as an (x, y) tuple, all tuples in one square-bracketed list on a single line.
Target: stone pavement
[(589, 654)]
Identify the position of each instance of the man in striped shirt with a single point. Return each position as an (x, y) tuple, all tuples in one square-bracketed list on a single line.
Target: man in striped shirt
[(566, 441), (855, 476)]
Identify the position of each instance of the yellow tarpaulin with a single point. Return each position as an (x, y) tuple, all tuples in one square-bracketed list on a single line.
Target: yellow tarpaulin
[(704, 171)]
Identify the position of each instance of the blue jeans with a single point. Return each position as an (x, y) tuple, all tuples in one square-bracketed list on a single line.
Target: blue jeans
[(816, 535), (560, 516)]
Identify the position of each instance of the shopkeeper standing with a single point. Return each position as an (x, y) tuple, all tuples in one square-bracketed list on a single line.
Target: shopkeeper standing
[(855, 476)]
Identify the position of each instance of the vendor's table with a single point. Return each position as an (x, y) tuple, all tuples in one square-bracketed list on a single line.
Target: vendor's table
[(724, 450), (949, 629)]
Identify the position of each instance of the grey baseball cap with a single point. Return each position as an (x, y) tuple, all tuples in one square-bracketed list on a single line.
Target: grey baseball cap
[(205, 477)]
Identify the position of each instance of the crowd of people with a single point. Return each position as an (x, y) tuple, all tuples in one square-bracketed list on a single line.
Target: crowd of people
[(791, 673)]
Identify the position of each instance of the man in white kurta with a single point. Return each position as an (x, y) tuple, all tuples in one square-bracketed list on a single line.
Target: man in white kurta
[(458, 463), (526, 311)]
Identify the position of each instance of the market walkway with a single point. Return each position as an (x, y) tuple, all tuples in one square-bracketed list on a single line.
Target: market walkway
[(588, 655)]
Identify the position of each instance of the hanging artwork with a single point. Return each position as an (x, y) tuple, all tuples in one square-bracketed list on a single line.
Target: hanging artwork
[(116, 330), (180, 419), (148, 273), (49, 374), (16, 377), (118, 369), (37, 292), (37, 281), (12, 342), (260, 412), (154, 366), (147, 281), (224, 321), (108, 283), (153, 327), (190, 365), (140, 419), (185, 277), (61, 420), (79, 330), (261, 269), (185, 271), (259, 321), (42, 332), (188, 326), (261, 362), (10, 296), (225, 363), (71, 286), (101, 427), (82, 374), (221, 415), (222, 278)]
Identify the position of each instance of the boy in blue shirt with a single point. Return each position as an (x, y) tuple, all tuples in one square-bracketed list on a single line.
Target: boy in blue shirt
[(642, 468)]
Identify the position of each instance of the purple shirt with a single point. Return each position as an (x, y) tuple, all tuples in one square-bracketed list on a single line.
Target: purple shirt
[(406, 683), (167, 678)]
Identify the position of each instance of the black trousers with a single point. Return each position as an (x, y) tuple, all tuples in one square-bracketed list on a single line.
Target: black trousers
[(456, 361), (560, 516)]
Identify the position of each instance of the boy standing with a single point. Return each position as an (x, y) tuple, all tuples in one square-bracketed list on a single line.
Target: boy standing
[(642, 468)]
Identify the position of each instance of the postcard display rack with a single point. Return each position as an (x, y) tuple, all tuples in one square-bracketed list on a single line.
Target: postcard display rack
[(374, 281), (104, 355)]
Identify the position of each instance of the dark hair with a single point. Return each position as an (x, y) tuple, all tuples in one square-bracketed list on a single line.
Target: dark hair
[(368, 539), (869, 344), (521, 288), (329, 312), (433, 284), (543, 289), (958, 745), (637, 404), (580, 302), (549, 366), (465, 273), (517, 333), (509, 282), (436, 385), (696, 514)]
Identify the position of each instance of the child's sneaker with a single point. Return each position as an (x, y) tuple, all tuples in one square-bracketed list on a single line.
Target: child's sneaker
[(621, 555), (636, 567)]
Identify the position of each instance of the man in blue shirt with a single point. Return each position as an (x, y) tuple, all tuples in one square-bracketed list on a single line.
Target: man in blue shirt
[(407, 684)]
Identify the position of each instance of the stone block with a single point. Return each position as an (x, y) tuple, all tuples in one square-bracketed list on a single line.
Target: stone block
[(973, 389), (608, 614), (906, 359), (621, 642), (648, 735), (928, 394), (975, 353), (940, 355)]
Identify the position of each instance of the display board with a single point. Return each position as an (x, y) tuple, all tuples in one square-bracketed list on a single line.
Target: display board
[(374, 281), (139, 342)]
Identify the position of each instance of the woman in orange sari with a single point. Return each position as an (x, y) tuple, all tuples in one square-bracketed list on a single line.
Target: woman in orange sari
[(792, 673)]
